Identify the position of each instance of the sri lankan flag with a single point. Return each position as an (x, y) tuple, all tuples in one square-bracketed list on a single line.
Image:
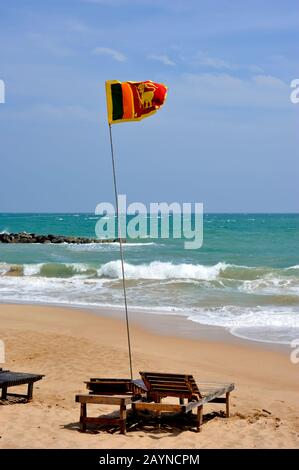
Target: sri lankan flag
[(133, 101)]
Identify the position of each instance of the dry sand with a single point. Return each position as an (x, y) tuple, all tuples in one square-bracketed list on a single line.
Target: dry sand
[(70, 346)]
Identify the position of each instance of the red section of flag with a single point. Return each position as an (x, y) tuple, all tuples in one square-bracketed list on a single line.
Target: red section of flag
[(148, 97)]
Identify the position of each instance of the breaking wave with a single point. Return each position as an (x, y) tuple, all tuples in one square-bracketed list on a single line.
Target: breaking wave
[(212, 295), (161, 270), (222, 275)]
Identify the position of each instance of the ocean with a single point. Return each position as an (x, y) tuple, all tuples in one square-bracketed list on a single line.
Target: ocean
[(245, 278)]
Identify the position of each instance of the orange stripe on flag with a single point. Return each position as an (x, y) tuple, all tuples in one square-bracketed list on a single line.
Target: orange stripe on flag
[(128, 103)]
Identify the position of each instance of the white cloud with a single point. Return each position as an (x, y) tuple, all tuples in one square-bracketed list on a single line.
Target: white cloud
[(103, 2), (269, 81), (213, 62), (203, 59), (50, 45), (224, 90), (66, 113), (75, 26), (118, 3), (161, 58), (252, 68), (116, 55)]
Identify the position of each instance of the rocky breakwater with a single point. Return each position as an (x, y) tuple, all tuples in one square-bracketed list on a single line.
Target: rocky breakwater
[(24, 237)]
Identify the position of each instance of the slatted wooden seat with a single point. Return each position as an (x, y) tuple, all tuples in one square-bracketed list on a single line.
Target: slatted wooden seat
[(184, 387), (161, 385), (12, 379), (112, 386)]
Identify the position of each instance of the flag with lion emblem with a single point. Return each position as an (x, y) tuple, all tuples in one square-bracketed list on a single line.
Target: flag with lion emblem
[(133, 101)]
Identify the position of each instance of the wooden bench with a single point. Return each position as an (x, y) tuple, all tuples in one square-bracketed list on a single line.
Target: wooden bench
[(12, 379), (119, 400)]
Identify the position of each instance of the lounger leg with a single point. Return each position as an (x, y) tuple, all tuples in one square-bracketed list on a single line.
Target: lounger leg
[(199, 417), (30, 391), (159, 414), (123, 418), (83, 414), (227, 404), (4, 392)]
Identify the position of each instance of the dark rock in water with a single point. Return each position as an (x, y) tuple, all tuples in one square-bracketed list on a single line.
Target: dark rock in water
[(5, 238), (24, 237)]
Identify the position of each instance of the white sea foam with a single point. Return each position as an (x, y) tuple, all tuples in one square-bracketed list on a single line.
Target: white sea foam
[(161, 270), (271, 285), (126, 244), (52, 290), (274, 334), (265, 324), (46, 270), (233, 316), (78, 267), (88, 246), (140, 244), (4, 231), (258, 322), (232, 278), (4, 268), (32, 269), (107, 246)]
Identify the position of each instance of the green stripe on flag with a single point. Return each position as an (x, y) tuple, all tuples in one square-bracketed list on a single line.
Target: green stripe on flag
[(117, 101)]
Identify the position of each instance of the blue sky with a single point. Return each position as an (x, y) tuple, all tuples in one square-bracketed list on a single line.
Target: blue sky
[(227, 135)]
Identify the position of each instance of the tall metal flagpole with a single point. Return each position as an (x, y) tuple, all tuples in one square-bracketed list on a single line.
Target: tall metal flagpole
[(121, 251)]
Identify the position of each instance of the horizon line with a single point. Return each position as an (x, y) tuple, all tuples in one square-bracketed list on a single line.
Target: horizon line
[(204, 213)]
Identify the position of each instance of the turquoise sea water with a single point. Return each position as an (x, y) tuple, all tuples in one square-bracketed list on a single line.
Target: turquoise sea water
[(244, 278)]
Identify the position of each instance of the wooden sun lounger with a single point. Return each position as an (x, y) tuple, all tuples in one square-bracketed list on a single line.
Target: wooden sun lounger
[(184, 387), (12, 379), (147, 394)]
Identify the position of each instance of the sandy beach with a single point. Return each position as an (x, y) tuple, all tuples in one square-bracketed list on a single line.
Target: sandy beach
[(71, 345)]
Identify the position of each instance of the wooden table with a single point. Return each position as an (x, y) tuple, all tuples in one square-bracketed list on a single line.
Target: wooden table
[(119, 400)]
